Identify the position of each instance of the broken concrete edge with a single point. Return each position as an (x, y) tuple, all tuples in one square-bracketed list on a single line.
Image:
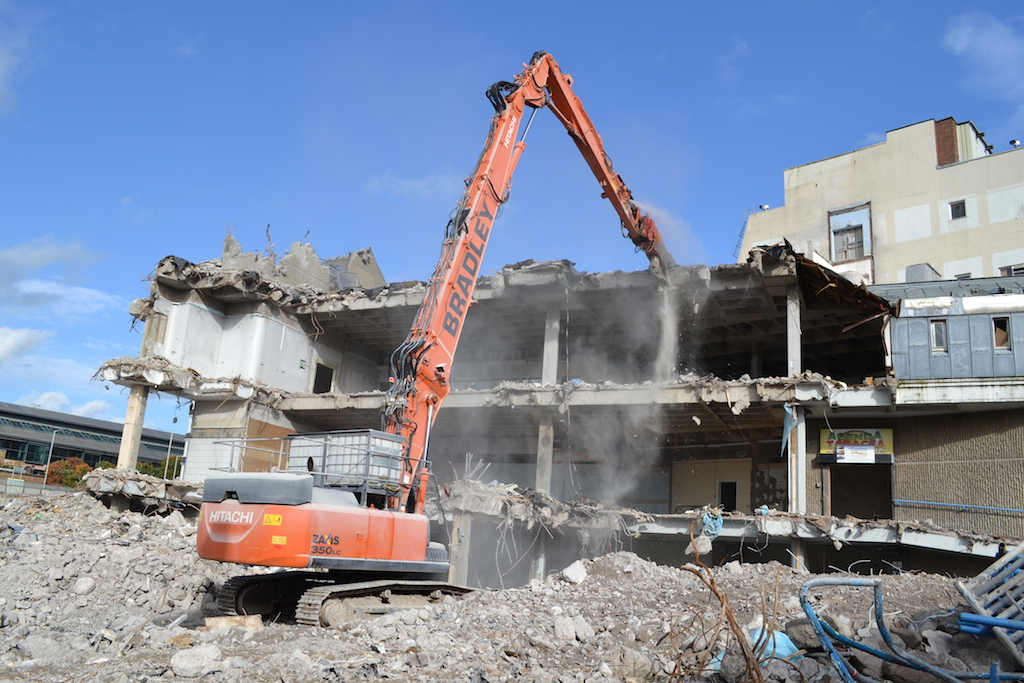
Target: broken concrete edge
[(510, 505), (160, 374), (298, 272), (132, 484), (507, 503), (318, 297)]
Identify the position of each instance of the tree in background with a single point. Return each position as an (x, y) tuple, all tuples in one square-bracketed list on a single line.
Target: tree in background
[(67, 472), (171, 465)]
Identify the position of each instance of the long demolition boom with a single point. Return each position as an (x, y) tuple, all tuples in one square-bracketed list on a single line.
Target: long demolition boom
[(420, 367)]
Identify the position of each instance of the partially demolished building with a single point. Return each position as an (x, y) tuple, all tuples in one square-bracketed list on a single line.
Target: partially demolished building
[(764, 387)]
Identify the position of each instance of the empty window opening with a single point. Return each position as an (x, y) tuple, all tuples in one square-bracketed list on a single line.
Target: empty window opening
[(727, 493), (957, 210), (940, 336), (323, 381), (1001, 332), (1016, 270), (962, 276)]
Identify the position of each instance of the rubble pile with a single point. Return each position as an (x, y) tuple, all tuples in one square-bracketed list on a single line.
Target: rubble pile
[(88, 593)]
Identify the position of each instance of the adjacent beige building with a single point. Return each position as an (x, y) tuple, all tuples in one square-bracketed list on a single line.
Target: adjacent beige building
[(931, 202)]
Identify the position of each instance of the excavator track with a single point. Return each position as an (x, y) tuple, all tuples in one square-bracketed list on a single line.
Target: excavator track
[(369, 599), (266, 594), (303, 595)]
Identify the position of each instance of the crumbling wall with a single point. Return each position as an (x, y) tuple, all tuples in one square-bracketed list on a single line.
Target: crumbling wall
[(302, 267), (976, 460)]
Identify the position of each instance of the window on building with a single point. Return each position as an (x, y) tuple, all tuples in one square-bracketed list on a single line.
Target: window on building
[(1001, 332), (323, 381), (957, 210), (962, 276), (940, 336), (1016, 270), (850, 233)]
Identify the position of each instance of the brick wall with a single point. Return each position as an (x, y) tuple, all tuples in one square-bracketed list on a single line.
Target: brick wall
[(946, 151)]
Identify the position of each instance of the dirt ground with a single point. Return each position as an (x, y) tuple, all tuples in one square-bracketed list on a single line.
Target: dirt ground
[(91, 594)]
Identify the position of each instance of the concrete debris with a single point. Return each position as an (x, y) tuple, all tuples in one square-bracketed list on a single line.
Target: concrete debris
[(511, 507), (144, 490), (164, 375), (143, 618), (575, 573), (535, 508)]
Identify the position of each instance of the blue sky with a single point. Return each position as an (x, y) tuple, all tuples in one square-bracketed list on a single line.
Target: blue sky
[(131, 131)]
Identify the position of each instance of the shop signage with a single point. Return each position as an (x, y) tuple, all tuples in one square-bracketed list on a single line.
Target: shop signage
[(856, 446)]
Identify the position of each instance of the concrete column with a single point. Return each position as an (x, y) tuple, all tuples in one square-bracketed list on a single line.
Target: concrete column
[(458, 553), (546, 430), (798, 481), (131, 435), (794, 359), (826, 490), (548, 375), (755, 360), (798, 440), (545, 453), (549, 361)]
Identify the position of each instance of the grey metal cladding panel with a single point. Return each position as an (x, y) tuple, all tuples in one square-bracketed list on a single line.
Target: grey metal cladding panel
[(900, 348), (1002, 364), (959, 346), (981, 345), (919, 333), (941, 365), (1017, 341)]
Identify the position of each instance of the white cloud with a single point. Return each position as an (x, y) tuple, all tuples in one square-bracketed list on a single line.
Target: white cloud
[(993, 51), (37, 297), (18, 261), (745, 109), (187, 50), (728, 71), (15, 343), (56, 401), (69, 302), (139, 215), (13, 46), (787, 100), (36, 370), (874, 23), (94, 408), (434, 186)]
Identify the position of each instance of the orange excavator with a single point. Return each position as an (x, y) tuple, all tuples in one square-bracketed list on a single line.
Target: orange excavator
[(351, 504)]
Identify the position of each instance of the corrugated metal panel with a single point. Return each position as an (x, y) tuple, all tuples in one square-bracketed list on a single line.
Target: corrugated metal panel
[(941, 365), (920, 348), (1002, 364), (959, 346), (1017, 343), (981, 345), (899, 338)]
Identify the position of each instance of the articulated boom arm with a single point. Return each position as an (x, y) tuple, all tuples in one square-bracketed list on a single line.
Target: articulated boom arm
[(421, 365)]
